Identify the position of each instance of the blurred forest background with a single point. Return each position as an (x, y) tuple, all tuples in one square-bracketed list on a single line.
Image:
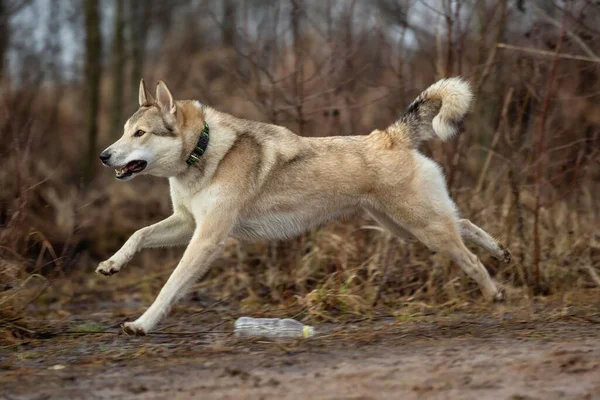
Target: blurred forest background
[(525, 168)]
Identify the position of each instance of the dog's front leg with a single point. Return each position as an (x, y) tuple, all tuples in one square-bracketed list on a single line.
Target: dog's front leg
[(175, 230), (208, 239)]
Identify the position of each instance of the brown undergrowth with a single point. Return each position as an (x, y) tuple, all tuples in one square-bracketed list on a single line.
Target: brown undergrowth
[(54, 229)]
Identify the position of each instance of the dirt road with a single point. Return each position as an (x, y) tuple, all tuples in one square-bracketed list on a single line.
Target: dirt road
[(461, 369), (462, 356)]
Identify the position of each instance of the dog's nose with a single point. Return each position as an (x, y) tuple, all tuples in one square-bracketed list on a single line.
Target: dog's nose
[(104, 157)]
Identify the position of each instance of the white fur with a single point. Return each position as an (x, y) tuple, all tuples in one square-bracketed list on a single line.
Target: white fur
[(456, 97)]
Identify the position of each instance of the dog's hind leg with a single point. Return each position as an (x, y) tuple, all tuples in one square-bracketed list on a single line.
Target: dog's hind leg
[(391, 225), (471, 232), (430, 216), (443, 236), (468, 231)]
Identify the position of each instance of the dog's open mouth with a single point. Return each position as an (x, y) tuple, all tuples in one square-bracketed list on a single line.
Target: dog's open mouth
[(132, 167)]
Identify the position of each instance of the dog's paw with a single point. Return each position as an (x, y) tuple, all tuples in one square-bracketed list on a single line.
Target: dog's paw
[(108, 268), (500, 294), (499, 297), (506, 256), (133, 329)]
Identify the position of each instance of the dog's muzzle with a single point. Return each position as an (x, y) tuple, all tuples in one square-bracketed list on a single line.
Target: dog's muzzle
[(105, 157)]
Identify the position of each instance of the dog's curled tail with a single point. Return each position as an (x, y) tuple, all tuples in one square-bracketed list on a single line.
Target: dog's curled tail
[(438, 110)]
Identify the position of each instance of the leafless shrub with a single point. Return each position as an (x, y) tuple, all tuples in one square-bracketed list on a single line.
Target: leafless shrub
[(525, 168)]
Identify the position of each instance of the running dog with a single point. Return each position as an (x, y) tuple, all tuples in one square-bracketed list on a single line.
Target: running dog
[(255, 181)]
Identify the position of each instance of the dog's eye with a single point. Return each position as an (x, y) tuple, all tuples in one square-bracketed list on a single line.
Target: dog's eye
[(138, 133)]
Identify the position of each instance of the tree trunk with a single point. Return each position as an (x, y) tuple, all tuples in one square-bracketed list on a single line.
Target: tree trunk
[(229, 26), (139, 20), (298, 64), (118, 62), (93, 51), (4, 36)]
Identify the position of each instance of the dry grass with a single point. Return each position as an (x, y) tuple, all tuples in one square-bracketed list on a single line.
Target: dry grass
[(52, 229)]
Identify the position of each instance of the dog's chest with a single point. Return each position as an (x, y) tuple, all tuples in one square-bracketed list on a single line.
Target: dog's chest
[(182, 194)]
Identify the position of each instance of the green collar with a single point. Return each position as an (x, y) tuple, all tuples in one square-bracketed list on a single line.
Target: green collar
[(200, 146)]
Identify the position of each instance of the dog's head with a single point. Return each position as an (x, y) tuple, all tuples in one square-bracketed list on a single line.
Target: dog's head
[(152, 142)]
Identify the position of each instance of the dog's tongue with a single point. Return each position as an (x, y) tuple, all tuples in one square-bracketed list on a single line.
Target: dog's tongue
[(134, 166), (131, 167)]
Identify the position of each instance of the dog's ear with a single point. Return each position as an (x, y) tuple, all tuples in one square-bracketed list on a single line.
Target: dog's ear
[(164, 98), (145, 98)]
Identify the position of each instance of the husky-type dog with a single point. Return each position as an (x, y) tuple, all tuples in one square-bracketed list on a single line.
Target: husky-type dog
[(255, 181)]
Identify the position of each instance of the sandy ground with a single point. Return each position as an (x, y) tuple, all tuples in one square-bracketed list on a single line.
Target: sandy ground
[(550, 354)]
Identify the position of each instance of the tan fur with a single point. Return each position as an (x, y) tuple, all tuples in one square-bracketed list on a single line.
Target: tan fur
[(262, 182)]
